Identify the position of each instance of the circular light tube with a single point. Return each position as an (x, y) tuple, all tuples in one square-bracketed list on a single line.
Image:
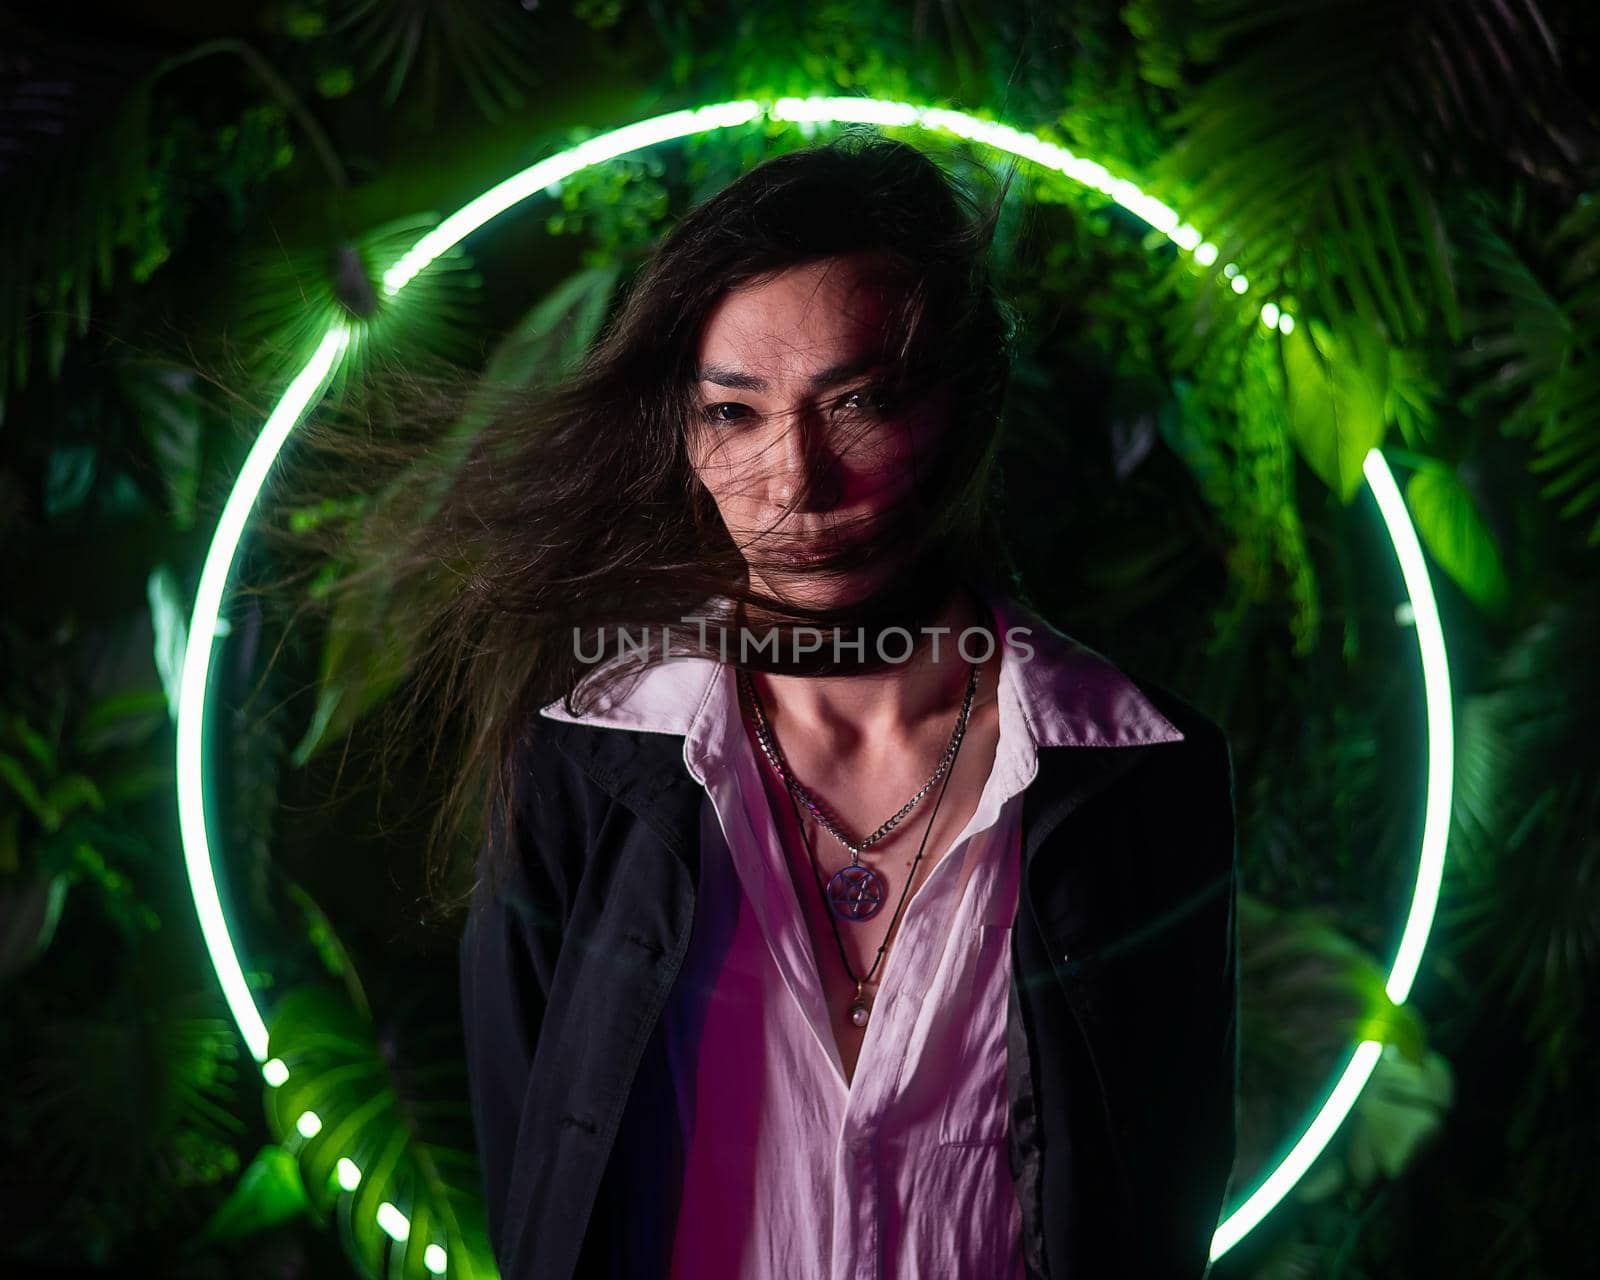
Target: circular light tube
[(305, 389)]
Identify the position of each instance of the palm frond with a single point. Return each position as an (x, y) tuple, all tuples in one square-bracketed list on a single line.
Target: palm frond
[(366, 1124), (1526, 895), (289, 297), (74, 172), (127, 1105), (1536, 344), (1233, 436), (1318, 154), (489, 45), (1308, 993)]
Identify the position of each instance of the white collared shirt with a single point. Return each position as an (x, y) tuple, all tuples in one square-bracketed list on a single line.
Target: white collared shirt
[(791, 1173)]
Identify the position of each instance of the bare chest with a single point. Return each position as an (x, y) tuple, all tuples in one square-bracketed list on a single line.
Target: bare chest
[(848, 951)]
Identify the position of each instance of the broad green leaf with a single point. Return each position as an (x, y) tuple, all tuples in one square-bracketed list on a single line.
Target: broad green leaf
[(1335, 401), (1313, 994), (267, 1194), (1456, 536), (1403, 1104), (169, 622), (365, 656), (367, 1113), (1320, 988)]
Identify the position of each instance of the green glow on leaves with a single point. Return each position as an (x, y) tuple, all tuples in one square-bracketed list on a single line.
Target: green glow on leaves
[(518, 187), (1293, 1166), (303, 392)]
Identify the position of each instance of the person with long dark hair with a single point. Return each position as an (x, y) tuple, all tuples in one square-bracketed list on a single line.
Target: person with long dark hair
[(836, 915)]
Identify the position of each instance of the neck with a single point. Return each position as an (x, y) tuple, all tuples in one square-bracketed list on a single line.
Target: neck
[(882, 707)]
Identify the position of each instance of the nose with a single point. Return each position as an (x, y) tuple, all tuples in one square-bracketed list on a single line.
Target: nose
[(803, 454)]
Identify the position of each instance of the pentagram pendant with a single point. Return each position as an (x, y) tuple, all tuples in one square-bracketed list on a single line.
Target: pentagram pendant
[(856, 893)]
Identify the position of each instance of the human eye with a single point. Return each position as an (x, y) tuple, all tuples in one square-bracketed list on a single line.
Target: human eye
[(872, 399), (712, 412)]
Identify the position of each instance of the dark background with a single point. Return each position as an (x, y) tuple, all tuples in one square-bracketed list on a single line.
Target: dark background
[(190, 192)]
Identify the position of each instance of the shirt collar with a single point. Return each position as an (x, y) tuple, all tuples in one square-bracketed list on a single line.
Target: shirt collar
[(1068, 694)]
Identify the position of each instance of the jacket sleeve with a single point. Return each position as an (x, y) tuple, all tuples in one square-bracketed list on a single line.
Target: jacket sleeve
[(1207, 1077), (508, 951), (1224, 1127), (1177, 1079)]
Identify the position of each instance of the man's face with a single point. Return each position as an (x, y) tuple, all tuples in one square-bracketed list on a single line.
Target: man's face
[(787, 378)]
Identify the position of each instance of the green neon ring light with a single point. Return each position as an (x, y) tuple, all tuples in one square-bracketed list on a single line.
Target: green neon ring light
[(306, 388)]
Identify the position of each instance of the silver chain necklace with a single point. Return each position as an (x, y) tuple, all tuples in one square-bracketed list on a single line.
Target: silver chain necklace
[(856, 892)]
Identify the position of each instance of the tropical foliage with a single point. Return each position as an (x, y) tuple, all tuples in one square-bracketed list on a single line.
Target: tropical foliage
[(188, 201)]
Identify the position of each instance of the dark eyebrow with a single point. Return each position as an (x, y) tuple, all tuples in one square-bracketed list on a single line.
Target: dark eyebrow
[(738, 380)]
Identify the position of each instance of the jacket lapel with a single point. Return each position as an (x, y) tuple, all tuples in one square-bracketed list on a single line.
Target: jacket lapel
[(1067, 777), (644, 771)]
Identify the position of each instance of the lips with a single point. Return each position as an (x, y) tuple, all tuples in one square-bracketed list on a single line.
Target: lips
[(799, 555), (818, 550), (804, 548)]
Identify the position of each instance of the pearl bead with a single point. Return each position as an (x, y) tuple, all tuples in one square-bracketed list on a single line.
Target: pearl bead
[(858, 1014)]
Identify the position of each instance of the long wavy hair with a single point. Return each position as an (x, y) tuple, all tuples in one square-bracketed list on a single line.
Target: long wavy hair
[(514, 531)]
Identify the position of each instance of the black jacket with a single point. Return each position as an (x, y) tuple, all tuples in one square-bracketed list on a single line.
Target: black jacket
[(1122, 1017)]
